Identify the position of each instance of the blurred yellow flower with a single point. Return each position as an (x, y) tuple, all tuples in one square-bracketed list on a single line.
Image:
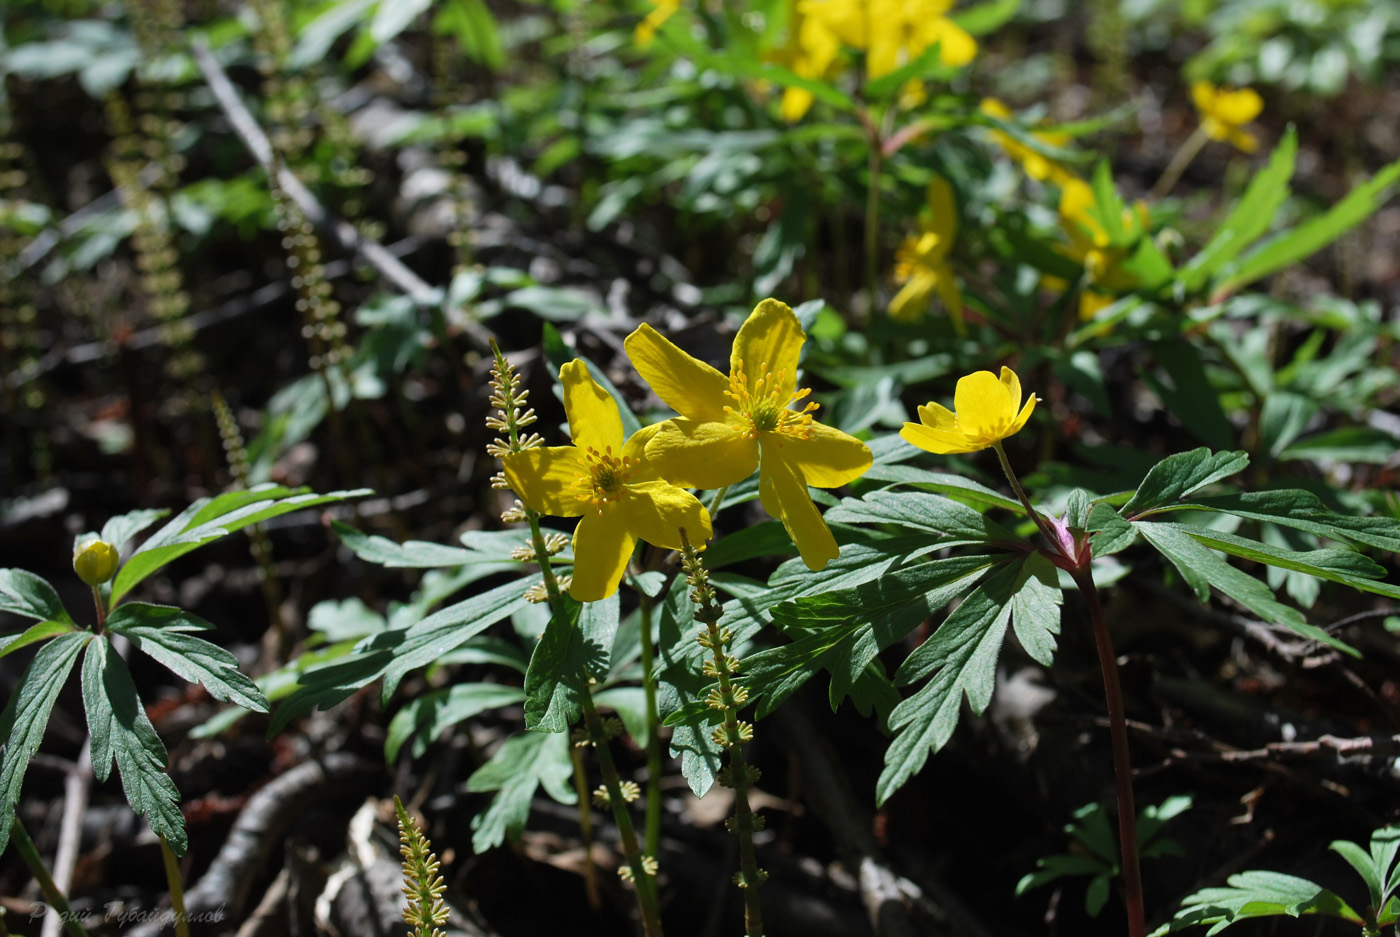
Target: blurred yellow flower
[(1100, 253), (1038, 166), (730, 425), (662, 11), (891, 33), (921, 264), (1224, 113), (986, 414), (621, 497)]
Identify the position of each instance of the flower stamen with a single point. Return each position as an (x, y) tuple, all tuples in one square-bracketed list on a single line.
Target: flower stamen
[(606, 476), (764, 408)]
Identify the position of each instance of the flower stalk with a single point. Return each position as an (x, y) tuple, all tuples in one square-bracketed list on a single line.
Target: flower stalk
[(424, 909), (729, 698), (653, 740), (56, 898), (1075, 560), (177, 889)]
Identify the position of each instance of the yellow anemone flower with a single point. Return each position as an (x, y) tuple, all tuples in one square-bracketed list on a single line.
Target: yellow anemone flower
[(730, 425), (986, 414), (1091, 246), (1036, 165), (922, 265), (661, 12), (892, 33), (1224, 113), (621, 497)]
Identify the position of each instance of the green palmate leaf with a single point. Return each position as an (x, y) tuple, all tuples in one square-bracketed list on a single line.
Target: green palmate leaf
[(23, 593), (952, 523), (961, 658), (25, 717), (1203, 568), (211, 518), (412, 554), (515, 772), (162, 632), (1109, 533), (392, 654), (39, 632), (986, 17), (1365, 866), (1190, 396), (122, 731), (1178, 475), (843, 631), (1301, 510), (427, 717), (1344, 566), (762, 539), (573, 649), (1249, 219), (118, 530), (1345, 444), (1257, 894), (1385, 850), (1292, 246)]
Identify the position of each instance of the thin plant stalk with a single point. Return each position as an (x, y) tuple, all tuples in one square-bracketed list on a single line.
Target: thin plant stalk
[(1122, 765), (1113, 697), (177, 889), (1180, 160), (57, 900), (653, 740), (872, 223), (585, 826), (737, 775)]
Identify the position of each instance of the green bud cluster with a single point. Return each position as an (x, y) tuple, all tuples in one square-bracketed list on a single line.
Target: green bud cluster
[(320, 312), (728, 697), (424, 909)]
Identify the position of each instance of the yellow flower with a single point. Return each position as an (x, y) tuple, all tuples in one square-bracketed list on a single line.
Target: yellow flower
[(986, 414), (1100, 253), (1037, 165), (892, 33), (621, 497), (1224, 113), (661, 12), (730, 425), (921, 264), (95, 561)]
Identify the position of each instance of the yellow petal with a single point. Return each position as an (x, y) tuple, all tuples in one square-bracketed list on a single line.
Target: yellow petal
[(1012, 383), (942, 442), (1203, 96), (783, 493), (828, 458), (593, 418), (936, 416), (1023, 416), (1238, 107), (993, 107), (982, 404), (796, 102), (687, 385), (602, 547), (701, 455), (657, 511), (945, 212), (1243, 140), (635, 449), (544, 479), (956, 45), (910, 302), (769, 341)]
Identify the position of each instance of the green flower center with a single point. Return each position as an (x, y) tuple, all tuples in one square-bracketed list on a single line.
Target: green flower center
[(605, 477), (765, 408)]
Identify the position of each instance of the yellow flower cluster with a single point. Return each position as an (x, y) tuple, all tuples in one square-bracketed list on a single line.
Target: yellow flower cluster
[(891, 33), (755, 417)]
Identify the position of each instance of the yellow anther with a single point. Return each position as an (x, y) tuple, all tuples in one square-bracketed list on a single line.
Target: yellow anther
[(765, 408), (605, 475)]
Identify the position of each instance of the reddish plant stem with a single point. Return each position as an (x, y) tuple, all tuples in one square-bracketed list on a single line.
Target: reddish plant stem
[(1122, 764)]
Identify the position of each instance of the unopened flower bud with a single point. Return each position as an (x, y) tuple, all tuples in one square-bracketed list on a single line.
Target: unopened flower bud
[(95, 561)]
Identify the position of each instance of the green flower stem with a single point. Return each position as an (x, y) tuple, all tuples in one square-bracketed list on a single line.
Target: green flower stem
[(1182, 158), (1040, 523), (653, 718), (737, 775), (1122, 764), (177, 890), (631, 848), (585, 823), (872, 222), (717, 501), (56, 899)]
